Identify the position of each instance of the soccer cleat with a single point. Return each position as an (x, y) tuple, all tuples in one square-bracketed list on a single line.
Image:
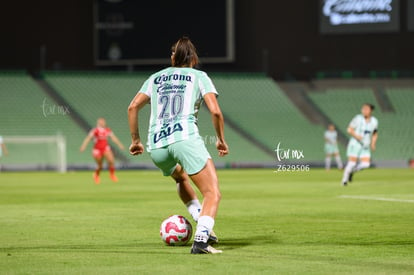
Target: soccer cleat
[(344, 184), (96, 178), (204, 248), (351, 175), (113, 178), (212, 239)]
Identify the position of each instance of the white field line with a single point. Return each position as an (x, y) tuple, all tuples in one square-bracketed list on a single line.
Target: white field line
[(374, 198)]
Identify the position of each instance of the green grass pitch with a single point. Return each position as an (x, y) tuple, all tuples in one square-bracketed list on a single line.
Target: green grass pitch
[(268, 223)]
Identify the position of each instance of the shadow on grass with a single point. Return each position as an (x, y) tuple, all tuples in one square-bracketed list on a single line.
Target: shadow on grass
[(138, 247), (234, 243)]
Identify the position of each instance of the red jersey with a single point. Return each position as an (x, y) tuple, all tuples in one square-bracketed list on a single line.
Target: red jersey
[(101, 137)]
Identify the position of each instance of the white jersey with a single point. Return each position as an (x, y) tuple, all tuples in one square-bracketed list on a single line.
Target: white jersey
[(330, 137), (364, 129), (176, 95)]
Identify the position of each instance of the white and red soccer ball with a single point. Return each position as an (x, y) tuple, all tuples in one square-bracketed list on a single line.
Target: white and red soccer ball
[(176, 230)]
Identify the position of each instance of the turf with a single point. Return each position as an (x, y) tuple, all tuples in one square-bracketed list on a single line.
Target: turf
[(284, 223)]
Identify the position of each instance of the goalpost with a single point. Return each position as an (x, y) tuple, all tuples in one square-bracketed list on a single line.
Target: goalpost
[(35, 153)]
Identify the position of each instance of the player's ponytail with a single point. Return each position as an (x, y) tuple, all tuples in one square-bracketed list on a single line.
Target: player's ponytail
[(184, 53)]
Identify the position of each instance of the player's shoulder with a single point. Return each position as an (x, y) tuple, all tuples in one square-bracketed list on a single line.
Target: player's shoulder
[(200, 73), (374, 119), (160, 73), (359, 116)]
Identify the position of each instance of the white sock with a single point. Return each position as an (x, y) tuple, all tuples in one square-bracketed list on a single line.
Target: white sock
[(204, 226), (348, 169), (194, 208), (328, 163), (339, 162), (362, 165)]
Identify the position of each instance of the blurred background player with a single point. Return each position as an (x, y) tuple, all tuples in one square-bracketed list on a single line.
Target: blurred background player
[(3, 149), (174, 143), (364, 134), (101, 148), (331, 147)]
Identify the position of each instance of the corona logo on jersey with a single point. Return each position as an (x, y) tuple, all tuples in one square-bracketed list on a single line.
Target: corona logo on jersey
[(180, 77)]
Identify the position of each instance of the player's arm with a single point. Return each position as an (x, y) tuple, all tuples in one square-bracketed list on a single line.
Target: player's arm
[(218, 122), (136, 104), (86, 141), (351, 131), (374, 140), (117, 141)]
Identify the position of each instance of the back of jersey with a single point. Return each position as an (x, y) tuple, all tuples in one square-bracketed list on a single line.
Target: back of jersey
[(176, 95)]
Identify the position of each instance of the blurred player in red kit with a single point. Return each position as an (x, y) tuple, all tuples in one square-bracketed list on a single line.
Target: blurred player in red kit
[(101, 149)]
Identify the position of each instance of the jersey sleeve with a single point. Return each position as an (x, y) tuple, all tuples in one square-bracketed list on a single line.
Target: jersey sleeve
[(146, 87), (206, 85), (1, 140), (354, 122)]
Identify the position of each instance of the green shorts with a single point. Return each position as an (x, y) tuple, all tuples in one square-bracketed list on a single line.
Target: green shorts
[(191, 154), (357, 150), (331, 149)]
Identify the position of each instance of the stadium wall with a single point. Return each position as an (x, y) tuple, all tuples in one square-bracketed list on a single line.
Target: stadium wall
[(278, 37)]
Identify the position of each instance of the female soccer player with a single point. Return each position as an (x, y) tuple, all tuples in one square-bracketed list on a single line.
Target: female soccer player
[(174, 143), (331, 147), (364, 135), (101, 149)]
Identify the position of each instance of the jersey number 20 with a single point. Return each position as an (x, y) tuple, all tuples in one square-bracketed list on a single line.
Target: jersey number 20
[(171, 105)]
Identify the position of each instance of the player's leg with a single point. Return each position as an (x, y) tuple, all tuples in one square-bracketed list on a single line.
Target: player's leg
[(328, 161), (196, 161), (207, 182), (110, 158), (186, 192), (338, 160), (353, 151), (97, 155), (347, 176), (364, 162)]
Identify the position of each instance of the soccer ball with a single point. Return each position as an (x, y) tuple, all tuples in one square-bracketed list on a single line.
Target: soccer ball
[(176, 230)]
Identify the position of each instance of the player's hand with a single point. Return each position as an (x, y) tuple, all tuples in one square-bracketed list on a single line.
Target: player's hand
[(365, 143), (222, 148), (136, 149), (373, 147), (81, 149)]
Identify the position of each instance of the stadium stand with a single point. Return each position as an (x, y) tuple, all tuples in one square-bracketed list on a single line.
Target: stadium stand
[(399, 125), (108, 94), (258, 106), (25, 110), (258, 114)]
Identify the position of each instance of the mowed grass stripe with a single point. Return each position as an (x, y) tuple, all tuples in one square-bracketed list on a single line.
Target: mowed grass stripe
[(268, 223)]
